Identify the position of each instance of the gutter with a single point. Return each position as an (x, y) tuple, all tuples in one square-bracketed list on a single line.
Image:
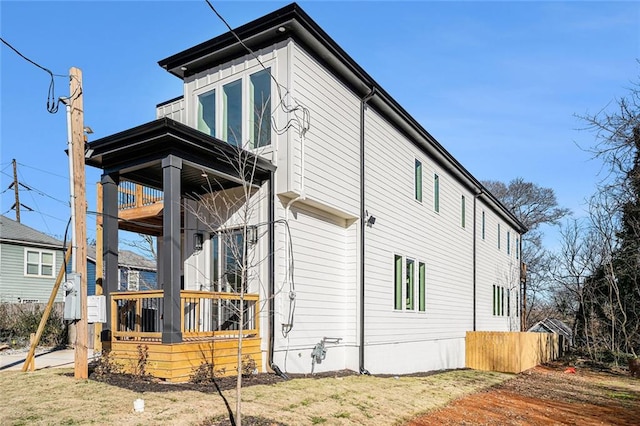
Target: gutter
[(363, 104)]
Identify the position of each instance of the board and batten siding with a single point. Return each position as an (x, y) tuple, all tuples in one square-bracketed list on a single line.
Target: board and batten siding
[(416, 341), (173, 109), (15, 286)]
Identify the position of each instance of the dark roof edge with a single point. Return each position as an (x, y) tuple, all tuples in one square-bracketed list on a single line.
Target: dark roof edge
[(169, 101), (366, 83)]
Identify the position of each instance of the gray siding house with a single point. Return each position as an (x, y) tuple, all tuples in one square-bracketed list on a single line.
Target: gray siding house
[(29, 263)]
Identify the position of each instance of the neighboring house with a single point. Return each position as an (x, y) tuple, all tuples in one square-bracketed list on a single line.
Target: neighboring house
[(551, 325), (136, 272), (29, 263), (377, 250)]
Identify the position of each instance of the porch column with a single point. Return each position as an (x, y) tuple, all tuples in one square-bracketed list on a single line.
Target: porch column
[(171, 330), (109, 245)]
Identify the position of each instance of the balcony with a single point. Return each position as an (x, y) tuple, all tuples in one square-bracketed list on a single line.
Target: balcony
[(140, 208)]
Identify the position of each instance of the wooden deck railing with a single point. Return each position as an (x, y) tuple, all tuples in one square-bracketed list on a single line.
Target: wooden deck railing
[(139, 315), (132, 195)]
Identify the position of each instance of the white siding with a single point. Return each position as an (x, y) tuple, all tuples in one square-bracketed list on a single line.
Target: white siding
[(173, 110), (324, 279), (332, 145), (412, 229)]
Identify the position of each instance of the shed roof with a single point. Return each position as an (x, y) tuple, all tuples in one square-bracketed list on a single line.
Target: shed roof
[(127, 259)]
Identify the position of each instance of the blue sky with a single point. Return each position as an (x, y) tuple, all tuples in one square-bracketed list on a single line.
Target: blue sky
[(497, 83)]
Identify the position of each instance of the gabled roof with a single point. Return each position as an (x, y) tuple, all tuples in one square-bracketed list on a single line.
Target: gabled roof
[(293, 22), (552, 325), (127, 259), (17, 233)]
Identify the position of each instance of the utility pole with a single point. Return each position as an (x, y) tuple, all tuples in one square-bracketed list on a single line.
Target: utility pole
[(79, 206), (16, 190)]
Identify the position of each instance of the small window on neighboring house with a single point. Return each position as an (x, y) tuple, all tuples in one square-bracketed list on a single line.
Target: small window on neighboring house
[(422, 297), (418, 180), (410, 280), (133, 280), (397, 281), (463, 212), (499, 237), (260, 93), (508, 242), (207, 113), (483, 224), (436, 193), (232, 113), (39, 263)]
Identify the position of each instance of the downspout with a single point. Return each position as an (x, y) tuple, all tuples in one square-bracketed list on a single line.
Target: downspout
[(271, 273), (363, 104), (475, 240)]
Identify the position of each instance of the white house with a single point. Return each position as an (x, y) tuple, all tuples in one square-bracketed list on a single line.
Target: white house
[(372, 248)]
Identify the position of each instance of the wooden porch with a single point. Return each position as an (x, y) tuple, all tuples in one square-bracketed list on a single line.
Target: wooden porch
[(149, 171), (210, 332)]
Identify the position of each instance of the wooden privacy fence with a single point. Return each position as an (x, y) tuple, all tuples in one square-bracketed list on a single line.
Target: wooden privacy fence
[(509, 352)]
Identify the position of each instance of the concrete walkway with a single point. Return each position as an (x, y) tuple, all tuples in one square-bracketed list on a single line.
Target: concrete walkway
[(63, 358)]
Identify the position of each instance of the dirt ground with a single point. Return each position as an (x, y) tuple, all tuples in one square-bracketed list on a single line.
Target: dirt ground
[(548, 395)]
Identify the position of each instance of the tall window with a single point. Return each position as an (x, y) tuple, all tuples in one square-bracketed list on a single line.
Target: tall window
[(508, 242), (499, 237), (495, 300), (422, 305), (436, 193), (207, 113), (410, 280), (261, 108), (397, 292), (418, 180), (463, 213), (483, 225), (39, 263), (227, 261), (517, 248), (242, 109), (232, 113), (508, 302)]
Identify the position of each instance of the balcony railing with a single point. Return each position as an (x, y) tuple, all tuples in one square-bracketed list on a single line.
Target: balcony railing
[(132, 195), (205, 315)]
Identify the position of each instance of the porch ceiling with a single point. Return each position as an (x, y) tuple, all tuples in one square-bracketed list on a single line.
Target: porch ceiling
[(208, 164)]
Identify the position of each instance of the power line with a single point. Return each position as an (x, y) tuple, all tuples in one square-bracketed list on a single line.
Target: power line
[(304, 122), (43, 171), (52, 103)]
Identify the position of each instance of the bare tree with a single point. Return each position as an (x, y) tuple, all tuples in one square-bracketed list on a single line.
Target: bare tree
[(534, 206)]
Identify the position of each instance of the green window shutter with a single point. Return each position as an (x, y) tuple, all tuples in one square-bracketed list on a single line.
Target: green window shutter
[(436, 193), (421, 287), (418, 180), (397, 282)]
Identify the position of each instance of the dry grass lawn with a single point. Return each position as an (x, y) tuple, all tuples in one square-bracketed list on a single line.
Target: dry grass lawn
[(54, 397)]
